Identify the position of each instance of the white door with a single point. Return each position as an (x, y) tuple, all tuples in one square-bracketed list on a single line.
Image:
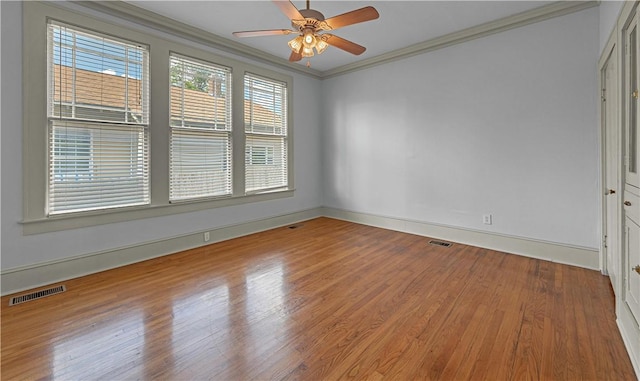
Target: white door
[(611, 169)]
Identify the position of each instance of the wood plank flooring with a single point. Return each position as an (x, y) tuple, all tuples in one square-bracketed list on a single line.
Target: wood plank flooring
[(325, 301)]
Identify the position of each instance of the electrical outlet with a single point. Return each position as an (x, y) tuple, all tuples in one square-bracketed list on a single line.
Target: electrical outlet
[(207, 236), (486, 219)]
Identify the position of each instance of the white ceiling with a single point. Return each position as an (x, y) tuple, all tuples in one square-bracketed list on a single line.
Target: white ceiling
[(401, 23)]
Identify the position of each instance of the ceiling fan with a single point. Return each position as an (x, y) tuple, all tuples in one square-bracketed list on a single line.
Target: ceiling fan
[(308, 23)]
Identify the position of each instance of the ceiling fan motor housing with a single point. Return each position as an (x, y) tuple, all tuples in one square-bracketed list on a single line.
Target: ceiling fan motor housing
[(312, 14), (312, 19)]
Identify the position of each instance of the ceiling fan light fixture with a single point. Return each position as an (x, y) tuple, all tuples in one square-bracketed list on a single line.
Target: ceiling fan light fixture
[(307, 52), (308, 38), (296, 44), (321, 45)]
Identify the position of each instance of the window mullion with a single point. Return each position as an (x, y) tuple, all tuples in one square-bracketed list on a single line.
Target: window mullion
[(238, 133), (126, 84), (73, 73), (182, 82)]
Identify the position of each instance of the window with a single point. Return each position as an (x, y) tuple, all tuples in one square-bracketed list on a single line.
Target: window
[(121, 123), (97, 121), (265, 134), (200, 158)]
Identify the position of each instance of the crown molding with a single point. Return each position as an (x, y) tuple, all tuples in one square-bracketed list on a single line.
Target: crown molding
[(165, 24), (153, 20), (535, 15)]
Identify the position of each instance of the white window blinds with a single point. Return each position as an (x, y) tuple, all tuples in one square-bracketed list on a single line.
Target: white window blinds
[(98, 115), (200, 157), (265, 118)]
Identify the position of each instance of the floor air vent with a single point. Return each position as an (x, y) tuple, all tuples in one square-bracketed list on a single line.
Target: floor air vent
[(36, 295), (440, 243)]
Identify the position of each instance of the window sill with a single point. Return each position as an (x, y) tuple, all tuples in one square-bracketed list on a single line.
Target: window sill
[(101, 217)]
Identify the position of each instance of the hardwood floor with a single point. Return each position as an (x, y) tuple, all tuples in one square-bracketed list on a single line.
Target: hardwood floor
[(327, 300)]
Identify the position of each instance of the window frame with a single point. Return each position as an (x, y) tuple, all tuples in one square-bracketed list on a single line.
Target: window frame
[(175, 130), (254, 135), (71, 43), (34, 153)]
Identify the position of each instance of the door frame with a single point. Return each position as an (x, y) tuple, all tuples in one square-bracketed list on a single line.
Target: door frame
[(610, 55)]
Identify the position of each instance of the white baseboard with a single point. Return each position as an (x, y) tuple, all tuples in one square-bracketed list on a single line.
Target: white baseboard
[(550, 251), (41, 274)]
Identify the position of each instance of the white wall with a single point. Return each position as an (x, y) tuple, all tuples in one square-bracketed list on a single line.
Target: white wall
[(609, 11), (505, 124), (19, 250)]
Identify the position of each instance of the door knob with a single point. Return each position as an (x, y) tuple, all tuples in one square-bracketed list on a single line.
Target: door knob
[(627, 203), (611, 191), (636, 269)]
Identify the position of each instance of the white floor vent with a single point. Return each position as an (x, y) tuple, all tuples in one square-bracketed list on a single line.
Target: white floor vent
[(36, 295)]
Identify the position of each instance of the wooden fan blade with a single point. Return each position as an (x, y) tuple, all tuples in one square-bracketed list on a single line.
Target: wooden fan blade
[(295, 56), (289, 9), (343, 44), (258, 33), (353, 17)]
